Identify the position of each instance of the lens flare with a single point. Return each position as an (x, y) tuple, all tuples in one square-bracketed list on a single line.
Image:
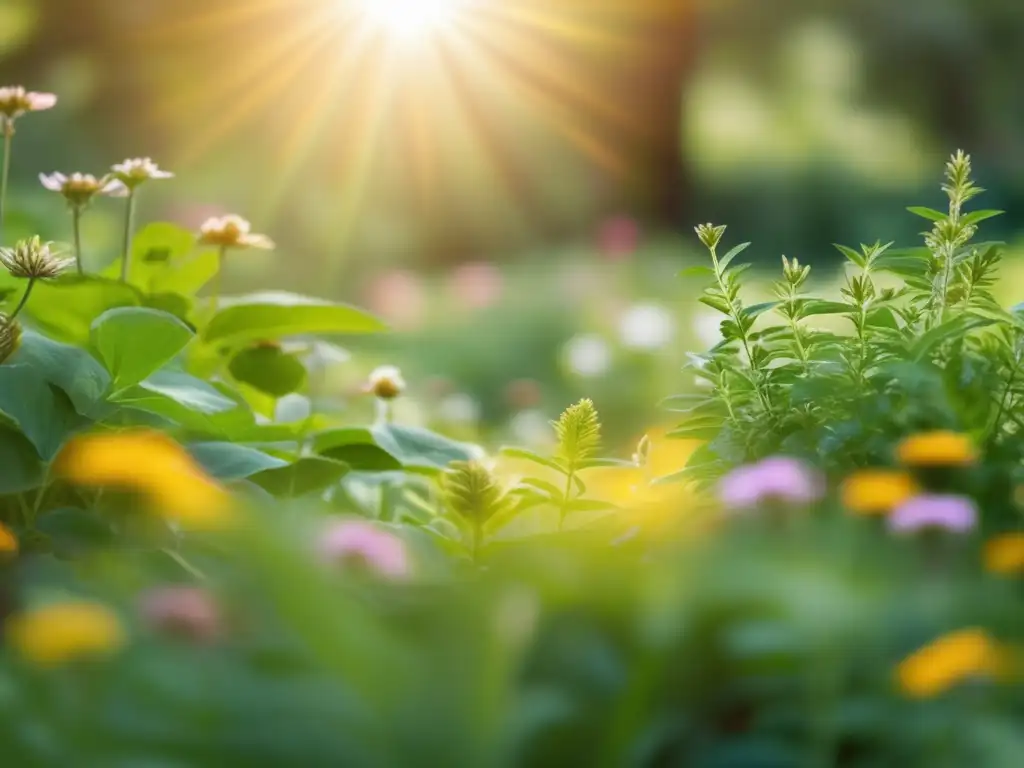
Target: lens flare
[(411, 19)]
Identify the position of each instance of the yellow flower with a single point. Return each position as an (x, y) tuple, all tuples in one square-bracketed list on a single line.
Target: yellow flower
[(153, 464), (8, 541), (948, 661), (877, 491), (940, 448), (1005, 554), (58, 633)]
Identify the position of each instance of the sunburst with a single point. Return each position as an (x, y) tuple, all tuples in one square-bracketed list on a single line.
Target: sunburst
[(411, 101)]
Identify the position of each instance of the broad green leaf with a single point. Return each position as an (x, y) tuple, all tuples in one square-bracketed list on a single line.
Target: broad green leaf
[(228, 461), (72, 369), (274, 315), (22, 468), (356, 447), (851, 254), (955, 326), (308, 475), (66, 308), (44, 413), (134, 342), (189, 402), (269, 370), (419, 448), (927, 213), (162, 261)]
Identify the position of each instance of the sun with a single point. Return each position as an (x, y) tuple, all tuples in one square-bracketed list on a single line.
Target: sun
[(411, 19)]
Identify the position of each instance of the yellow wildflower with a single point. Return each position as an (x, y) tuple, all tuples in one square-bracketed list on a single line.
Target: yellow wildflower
[(941, 448), (61, 632), (877, 491), (948, 661), (8, 541), (1005, 554), (153, 464)]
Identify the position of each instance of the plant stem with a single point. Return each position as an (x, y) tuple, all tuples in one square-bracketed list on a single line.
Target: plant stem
[(24, 300), (565, 498), (477, 534), (129, 220), (8, 129), (76, 220), (736, 316), (218, 278)]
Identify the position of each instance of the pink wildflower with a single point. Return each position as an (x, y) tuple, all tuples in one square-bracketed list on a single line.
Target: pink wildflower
[(360, 542), (187, 612), (957, 514), (778, 479)]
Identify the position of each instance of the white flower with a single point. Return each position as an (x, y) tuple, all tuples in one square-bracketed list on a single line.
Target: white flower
[(647, 327), (135, 171), (34, 260), (386, 382), (79, 188), (232, 232), (588, 355), (15, 101)]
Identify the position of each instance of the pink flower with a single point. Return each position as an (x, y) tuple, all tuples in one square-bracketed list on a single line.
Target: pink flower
[(477, 285), (619, 237), (187, 612), (957, 514), (399, 298), (15, 101), (778, 479), (362, 543)]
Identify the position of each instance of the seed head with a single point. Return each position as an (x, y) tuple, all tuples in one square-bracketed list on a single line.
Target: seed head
[(232, 232), (136, 171), (386, 383), (34, 260), (80, 188), (15, 101), (10, 337)]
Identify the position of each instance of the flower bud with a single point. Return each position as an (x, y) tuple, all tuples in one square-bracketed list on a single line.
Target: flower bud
[(710, 235), (10, 337)]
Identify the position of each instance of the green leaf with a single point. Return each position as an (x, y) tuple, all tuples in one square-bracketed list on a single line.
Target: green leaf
[(419, 448), (22, 468), (536, 458), (269, 370), (228, 461), (716, 302), (66, 308), (356, 447), (189, 402), (732, 254), (813, 307), (273, 315), (759, 309), (955, 326), (308, 475), (44, 413), (851, 254), (134, 342), (976, 217), (927, 213), (73, 532), (72, 369)]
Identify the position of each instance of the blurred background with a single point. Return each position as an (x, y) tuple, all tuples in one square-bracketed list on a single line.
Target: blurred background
[(512, 184)]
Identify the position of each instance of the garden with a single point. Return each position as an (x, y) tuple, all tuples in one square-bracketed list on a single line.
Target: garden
[(236, 528)]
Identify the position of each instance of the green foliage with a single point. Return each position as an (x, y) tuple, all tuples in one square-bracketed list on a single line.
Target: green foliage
[(579, 434), (914, 341)]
